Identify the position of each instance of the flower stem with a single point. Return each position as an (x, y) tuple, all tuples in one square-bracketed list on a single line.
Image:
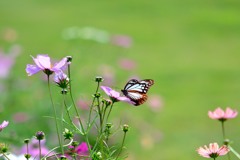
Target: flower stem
[(74, 105), (124, 137), (109, 112), (91, 108), (234, 152), (55, 115), (224, 137), (223, 130), (5, 156), (40, 150)]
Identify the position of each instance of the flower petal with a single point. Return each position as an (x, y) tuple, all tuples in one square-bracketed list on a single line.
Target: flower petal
[(32, 69), (58, 66), (42, 61), (107, 90)]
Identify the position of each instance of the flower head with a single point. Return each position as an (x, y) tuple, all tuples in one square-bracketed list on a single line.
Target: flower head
[(219, 114), (80, 150), (3, 125), (62, 80), (43, 63), (213, 151), (114, 95)]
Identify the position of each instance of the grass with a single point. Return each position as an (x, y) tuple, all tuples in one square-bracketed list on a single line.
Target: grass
[(190, 48)]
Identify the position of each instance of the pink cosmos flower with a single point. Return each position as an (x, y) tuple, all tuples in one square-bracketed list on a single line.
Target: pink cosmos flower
[(3, 125), (219, 114), (213, 151), (43, 63), (81, 150), (114, 95)]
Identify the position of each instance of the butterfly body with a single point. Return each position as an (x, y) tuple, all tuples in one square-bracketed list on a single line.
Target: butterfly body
[(136, 90)]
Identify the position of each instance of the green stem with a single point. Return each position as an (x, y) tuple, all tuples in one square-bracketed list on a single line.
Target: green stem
[(234, 152), (66, 108), (46, 156), (55, 115), (91, 108), (109, 112), (5, 156), (124, 137), (223, 130), (79, 119), (74, 105), (224, 137)]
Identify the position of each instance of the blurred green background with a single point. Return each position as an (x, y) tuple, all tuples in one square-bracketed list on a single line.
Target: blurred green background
[(190, 48)]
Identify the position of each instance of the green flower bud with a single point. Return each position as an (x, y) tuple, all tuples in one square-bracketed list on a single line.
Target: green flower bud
[(67, 134), (99, 79), (125, 128)]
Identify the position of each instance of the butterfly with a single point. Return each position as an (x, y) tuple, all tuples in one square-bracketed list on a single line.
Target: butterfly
[(136, 90)]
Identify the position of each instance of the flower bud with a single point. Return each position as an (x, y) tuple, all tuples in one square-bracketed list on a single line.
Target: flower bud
[(27, 156), (74, 143), (109, 125), (62, 81), (97, 95), (99, 79), (97, 156), (3, 148), (125, 128), (69, 59), (107, 102), (40, 135), (26, 141), (62, 157), (226, 142), (67, 134)]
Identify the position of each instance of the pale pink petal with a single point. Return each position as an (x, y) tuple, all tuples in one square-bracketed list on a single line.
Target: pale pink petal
[(42, 61), (3, 125), (230, 113), (106, 89), (114, 94), (211, 115), (223, 150), (125, 99), (203, 152), (58, 66), (213, 147), (32, 69), (219, 113)]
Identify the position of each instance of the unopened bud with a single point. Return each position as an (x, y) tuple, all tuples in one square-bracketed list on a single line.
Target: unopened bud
[(40, 135), (99, 79), (125, 128)]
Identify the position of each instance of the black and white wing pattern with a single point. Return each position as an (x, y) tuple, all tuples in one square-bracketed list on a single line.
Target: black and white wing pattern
[(136, 90)]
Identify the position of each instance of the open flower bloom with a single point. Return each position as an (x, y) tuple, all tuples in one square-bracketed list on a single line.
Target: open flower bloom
[(219, 114), (213, 151), (3, 125), (81, 150), (43, 63), (114, 95)]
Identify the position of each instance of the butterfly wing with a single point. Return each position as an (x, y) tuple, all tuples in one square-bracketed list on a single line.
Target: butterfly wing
[(137, 91)]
